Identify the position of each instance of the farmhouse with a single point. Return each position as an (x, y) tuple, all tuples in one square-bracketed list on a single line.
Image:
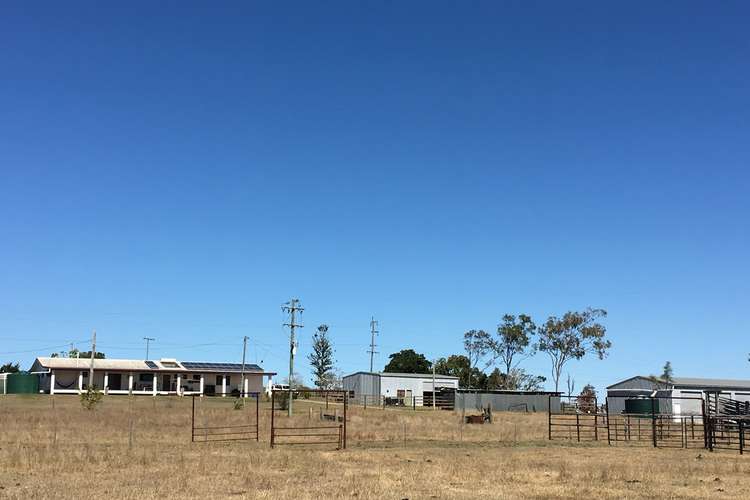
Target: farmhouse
[(406, 388), (132, 376), (683, 395)]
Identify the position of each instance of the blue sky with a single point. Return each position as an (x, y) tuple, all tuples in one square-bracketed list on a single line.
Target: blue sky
[(179, 171)]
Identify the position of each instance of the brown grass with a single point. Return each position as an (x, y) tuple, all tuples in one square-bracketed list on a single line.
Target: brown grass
[(67, 452)]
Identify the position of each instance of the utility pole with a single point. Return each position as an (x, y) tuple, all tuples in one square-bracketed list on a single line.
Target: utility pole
[(292, 307), (433, 384), (242, 372), (148, 339), (93, 355), (373, 332)]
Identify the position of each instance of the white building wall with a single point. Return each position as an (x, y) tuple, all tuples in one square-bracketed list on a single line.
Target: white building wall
[(389, 386)]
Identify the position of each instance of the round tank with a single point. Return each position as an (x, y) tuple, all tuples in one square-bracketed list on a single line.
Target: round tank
[(22, 383), (641, 406)]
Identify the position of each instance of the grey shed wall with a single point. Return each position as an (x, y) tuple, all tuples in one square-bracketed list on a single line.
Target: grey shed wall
[(363, 384), (506, 402)]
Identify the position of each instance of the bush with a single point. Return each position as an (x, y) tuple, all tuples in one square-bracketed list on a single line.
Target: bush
[(91, 398)]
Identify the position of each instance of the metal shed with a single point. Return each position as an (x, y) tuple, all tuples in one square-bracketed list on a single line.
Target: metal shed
[(524, 401)]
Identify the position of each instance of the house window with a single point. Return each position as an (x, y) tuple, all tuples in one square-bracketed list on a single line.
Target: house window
[(145, 377), (196, 377), (218, 379)]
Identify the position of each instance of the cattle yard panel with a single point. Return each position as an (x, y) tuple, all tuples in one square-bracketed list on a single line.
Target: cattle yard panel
[(587, 422), (578, 419), (727, 433), (291, 434), (212, 432)]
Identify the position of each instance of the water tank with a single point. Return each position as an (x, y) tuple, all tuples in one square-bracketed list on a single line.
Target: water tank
[(641, 406), (22, 383)]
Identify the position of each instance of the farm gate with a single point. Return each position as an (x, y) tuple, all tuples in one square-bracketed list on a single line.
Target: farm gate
[(215, 418), (320, 417), (657, 421)]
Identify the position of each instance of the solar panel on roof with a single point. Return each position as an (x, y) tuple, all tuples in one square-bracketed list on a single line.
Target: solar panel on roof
[(151, 365)]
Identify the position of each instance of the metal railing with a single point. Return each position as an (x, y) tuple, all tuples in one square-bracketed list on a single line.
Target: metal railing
[(238, 432), (310, 434)]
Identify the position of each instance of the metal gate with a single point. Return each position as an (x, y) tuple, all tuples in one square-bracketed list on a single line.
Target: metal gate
[(225, 419), (294, 431)]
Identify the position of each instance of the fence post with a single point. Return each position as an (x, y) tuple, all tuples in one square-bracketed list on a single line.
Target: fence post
[(192, 423), (606, 411), (257, 417), (705, 423), (578, 426), (653, 421), (549, 416), (414, 403), (365, 396), (273, 402), (346, 403), (742, 436)]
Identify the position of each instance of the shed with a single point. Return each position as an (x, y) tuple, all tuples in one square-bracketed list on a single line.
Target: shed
[(524, 401), (681, 396), (398, 388)]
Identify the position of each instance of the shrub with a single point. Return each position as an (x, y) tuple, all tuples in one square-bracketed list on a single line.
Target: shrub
[(91, 398)]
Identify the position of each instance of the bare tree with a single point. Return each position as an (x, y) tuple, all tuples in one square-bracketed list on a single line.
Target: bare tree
[(477, 343)]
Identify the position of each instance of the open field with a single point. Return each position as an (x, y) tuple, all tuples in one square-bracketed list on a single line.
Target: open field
[(63, 451)]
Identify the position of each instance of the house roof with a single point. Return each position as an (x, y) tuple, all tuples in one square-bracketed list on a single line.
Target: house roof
[(162, 365), (693, 382), (403, 375)]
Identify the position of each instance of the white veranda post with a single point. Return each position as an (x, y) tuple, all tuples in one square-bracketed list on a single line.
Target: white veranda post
[(52, 383), (223, 386), (154, 387), (201, 385)]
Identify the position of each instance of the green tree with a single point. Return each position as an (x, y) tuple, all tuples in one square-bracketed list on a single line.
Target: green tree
[(408, 361), (495, 380), (321, 359), (667, 373), (477, 344), (75, 353), (457, 365), (572, 337), (513, 344), (10, 367), (587, 399)]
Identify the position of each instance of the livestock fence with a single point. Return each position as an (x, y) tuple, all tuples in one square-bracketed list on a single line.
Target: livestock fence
[(225, 419), (294, 430), (657, 421)]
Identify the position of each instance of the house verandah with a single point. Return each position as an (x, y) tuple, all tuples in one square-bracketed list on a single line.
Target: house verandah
[(152, 378)]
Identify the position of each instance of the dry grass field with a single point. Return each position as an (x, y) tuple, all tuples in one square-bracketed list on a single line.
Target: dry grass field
[(55, 449)]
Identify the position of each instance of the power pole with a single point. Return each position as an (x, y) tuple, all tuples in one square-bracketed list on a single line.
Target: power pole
[(93, 355), (373, 332), (148, 339), (242, 372), (292, 307)]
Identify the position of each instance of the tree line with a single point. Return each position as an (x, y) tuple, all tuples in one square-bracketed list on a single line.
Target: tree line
[(572, 336)]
